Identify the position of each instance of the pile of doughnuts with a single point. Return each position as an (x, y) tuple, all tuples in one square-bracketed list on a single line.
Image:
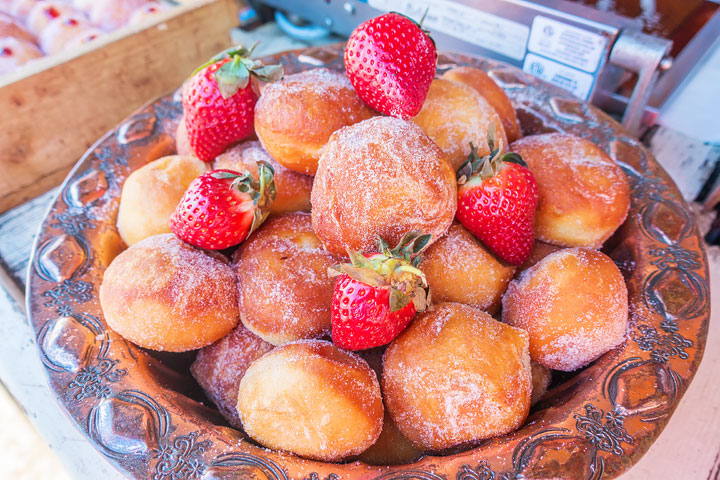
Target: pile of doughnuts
[(259, 315), (30, 29)]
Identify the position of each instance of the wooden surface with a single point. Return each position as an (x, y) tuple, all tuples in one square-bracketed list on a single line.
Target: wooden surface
[(689, 448), (53, 111)]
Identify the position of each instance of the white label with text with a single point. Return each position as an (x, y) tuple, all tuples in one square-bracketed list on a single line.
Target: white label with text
[(465, 23), (564, 43), (571, 79)]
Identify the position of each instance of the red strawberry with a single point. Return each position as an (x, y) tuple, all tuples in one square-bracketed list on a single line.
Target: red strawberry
[(377, 295), (497, 198), (221, 208), (390, 61), (219, 101)]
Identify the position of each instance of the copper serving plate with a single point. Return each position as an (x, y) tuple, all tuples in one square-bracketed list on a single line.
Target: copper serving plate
[(143, 411)]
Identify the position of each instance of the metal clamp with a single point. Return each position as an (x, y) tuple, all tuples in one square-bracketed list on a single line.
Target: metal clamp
[(645, 55)]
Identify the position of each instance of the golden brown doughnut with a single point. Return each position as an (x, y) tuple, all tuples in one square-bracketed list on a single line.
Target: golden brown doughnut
[(151, 193), (164, 294), (539, 251), (456, 376), (15, 52), (284, 290), (460, 269), (293, 188), (584, 194), (574, 305), (383, 177), (454, 115), (541, 378), (21, 8), (113, 14), (11, 27), (146, 11), (391, 448), (491, 91), (182, 142), (312, 399), (295, 117), (86, 36), (44, 11), (219, 367), (62, 31)]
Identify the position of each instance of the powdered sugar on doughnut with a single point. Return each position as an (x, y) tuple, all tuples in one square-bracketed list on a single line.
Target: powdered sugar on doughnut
[(454, 115), (584, 194), (164, 294), (460, 269), (313, 399), (382, 176), (573, 303), (283, 288), (457, 376), (293, 188), (220, 367)]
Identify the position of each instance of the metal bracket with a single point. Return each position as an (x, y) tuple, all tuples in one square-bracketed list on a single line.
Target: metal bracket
[(645, 55)]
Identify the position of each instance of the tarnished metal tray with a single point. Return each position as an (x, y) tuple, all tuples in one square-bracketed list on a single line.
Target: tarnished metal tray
[(142, 410)]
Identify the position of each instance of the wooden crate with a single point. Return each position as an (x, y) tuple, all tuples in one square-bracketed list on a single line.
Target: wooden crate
[(52, 111)]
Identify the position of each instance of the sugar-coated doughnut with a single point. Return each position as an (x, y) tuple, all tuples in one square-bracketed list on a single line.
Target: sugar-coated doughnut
[(541, 378), (391, 448), (61, 31), (584, 194), (21, 8), (454, 115), (457, 376), (574, 306), (539, 251), (312, 399), (295, 117), (293, 188), (83, 5), (15, 52), (284, 290), (182, 142), (460, 269), (86, 36), (491, 91), (219, 367), (151, 193), (148, 10), (113, 14), (11, 27), (383, 177), (164, 294), (44, 12)]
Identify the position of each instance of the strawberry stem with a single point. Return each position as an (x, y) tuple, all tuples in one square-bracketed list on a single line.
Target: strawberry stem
[(423, 18), (487, 166), (266, 193), (235, 74)]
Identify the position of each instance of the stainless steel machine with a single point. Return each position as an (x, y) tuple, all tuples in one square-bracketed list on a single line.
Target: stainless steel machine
[(626, 56)]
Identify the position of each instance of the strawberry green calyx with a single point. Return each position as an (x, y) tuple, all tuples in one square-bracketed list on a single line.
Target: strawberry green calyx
[(234, 74), (262, 192), (394, 269), (488, 166)]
